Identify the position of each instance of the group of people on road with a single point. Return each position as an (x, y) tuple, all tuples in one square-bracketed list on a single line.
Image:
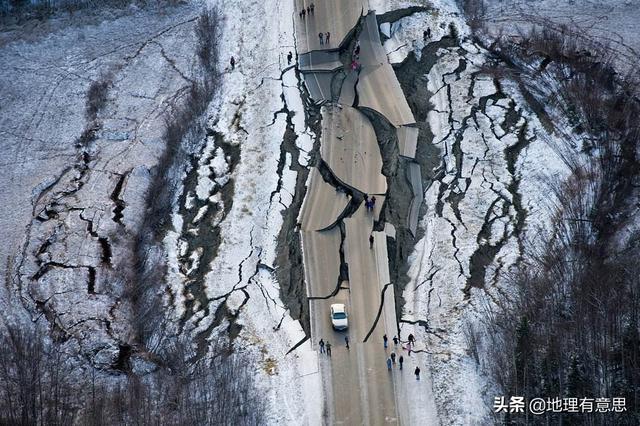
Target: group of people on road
[(391, 359), (325, 347), (307, 12), (370, 203), (324, 37)]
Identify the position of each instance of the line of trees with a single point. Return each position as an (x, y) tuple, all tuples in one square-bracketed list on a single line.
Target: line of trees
[(40, 384), (43, 8)]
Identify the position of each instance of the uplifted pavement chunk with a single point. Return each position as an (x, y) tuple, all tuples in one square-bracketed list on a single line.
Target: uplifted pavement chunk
[(350, 148), (319, 85), (321, 257), (407, 141), (318, 61), (321, 249), (378, 88), (348, 90), (372, 52), (322, 205)]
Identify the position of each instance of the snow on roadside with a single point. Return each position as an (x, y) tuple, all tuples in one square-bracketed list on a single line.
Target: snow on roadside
[(488, 160), (249, 114), (407, 34)]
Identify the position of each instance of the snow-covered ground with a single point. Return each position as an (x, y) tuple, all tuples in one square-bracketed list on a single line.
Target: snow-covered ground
[(614, 24), (250, 114), (488, 200), (61, 201), (62, 196), (59, 207)]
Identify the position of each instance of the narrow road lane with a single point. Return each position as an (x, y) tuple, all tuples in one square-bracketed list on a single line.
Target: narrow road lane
[(358, 387)]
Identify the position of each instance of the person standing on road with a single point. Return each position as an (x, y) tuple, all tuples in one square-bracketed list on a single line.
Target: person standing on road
[(233, 63), (328, 349), (417, 372), (327, 37), (346, 341), (385, 340), (388, 363), (320, 36), (321, 346), (304, 11), (395, 340), (373, 202), (393, 357), (289, 58), (371, 241), (412, 340), (400, 361), (312, 7)]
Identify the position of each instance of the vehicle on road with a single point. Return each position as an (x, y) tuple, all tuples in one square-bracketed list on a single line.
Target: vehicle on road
[(339, 317)]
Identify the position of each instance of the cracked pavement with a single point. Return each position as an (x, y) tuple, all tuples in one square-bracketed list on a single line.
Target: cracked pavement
[(341, 265)]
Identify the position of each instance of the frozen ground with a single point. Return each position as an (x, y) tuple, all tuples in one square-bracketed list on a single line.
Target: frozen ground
[(68, 202), (258, 104), (69, 208), (486, 201), (611, 23)]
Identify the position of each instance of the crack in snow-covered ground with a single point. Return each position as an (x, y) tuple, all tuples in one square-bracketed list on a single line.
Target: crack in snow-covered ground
[(76, 180), (494, 155), (260, 101)]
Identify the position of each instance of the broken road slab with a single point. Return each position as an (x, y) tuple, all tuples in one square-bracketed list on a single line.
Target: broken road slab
[(350, 148), (379, 90), (319, 61), (407, 141), (319, 85), (323, 204), (321, 255), (348, 90)]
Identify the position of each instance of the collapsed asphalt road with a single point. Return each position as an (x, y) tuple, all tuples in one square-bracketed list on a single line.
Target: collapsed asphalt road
[(341, 264)]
